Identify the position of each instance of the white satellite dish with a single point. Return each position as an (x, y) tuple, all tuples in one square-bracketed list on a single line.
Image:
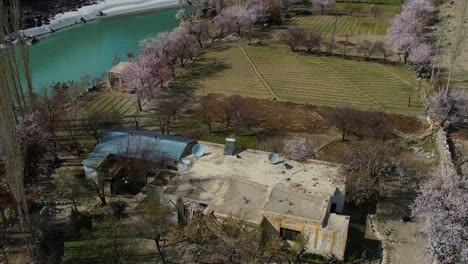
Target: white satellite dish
[(198, 150), (275, 158)]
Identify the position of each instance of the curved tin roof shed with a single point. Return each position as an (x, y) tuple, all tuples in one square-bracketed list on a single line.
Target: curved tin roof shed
[(139, 144)]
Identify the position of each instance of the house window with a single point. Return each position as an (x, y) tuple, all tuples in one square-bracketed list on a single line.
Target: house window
[(288, 234)]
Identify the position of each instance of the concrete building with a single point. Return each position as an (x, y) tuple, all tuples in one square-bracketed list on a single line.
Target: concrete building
[(298, 199)]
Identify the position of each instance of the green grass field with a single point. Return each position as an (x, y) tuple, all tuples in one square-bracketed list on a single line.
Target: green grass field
[(344, 25), (242, 79), (317, 80), (366, 7)]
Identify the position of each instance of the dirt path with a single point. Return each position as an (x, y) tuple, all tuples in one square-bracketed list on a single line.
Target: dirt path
[(451, 29)]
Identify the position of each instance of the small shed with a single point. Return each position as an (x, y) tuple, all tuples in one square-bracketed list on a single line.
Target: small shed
[(137, 144), (114, 75)]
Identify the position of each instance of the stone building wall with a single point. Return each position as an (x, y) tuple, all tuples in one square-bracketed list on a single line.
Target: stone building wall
[(328, 241)]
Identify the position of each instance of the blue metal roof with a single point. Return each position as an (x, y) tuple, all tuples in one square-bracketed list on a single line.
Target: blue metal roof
[(138, 144)]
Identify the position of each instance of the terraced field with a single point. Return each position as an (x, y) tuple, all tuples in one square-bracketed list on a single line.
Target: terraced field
[(366, 7), (237, 77), (344, 25), (320, 80)]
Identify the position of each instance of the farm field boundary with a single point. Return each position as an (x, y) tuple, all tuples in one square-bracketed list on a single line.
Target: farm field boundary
[(328, 81)]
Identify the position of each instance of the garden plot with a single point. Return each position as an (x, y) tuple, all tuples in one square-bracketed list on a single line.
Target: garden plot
[(317, 80), (345, 24)]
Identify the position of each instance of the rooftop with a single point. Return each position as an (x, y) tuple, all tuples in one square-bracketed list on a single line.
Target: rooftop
[(287, 202), (249, 183), (139, 145)]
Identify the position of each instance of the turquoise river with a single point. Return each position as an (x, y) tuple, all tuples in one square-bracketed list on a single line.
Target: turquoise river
[(89, 49)]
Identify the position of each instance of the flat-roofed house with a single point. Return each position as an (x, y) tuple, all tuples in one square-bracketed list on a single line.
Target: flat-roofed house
[(304, 199)]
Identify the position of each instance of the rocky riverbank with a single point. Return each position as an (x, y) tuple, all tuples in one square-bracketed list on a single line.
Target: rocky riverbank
[(36, 13), (101, 8)]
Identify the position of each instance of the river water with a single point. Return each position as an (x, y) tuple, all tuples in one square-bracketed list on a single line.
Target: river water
[(90, 48)]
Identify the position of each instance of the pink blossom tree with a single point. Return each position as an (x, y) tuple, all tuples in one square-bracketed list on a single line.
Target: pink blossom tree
[(146, 76), (163, 47), (421, 55), (184, 44), (442, 204), (404, 33), (449, 108), (299, 149), (36, 144), (200, 30), (322, 4), (421, 8), (236, 19)]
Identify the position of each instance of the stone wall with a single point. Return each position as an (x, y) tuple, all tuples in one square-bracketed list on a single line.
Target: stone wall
[(327, 241), (445, 156)]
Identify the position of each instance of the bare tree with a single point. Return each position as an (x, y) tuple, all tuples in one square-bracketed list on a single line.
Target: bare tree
[(380, 47), (113, 242), (367, 49), (345, 46), (312, 41), (71, 114), (243, 115), (207, 104), (155, 224), (97, 123), (70, 188), (352, 8), (342, 119), (295, 37), (322, 4), (376, 9), (368, 167)]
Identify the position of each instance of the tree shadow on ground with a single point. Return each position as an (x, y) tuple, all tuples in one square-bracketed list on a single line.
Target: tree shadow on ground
[(200, 68), (358, 243), (396, 205)]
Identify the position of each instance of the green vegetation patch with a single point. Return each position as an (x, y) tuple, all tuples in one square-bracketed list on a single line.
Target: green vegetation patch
[(344, 25), (366, 7), (329, 81), (227, 70)]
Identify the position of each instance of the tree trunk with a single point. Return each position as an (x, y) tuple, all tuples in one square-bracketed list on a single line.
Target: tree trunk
[(200, 42), (160, 251), (5, 257), (74, 204), (343, 134), (236, 125), (102, 194), (103, 199)]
